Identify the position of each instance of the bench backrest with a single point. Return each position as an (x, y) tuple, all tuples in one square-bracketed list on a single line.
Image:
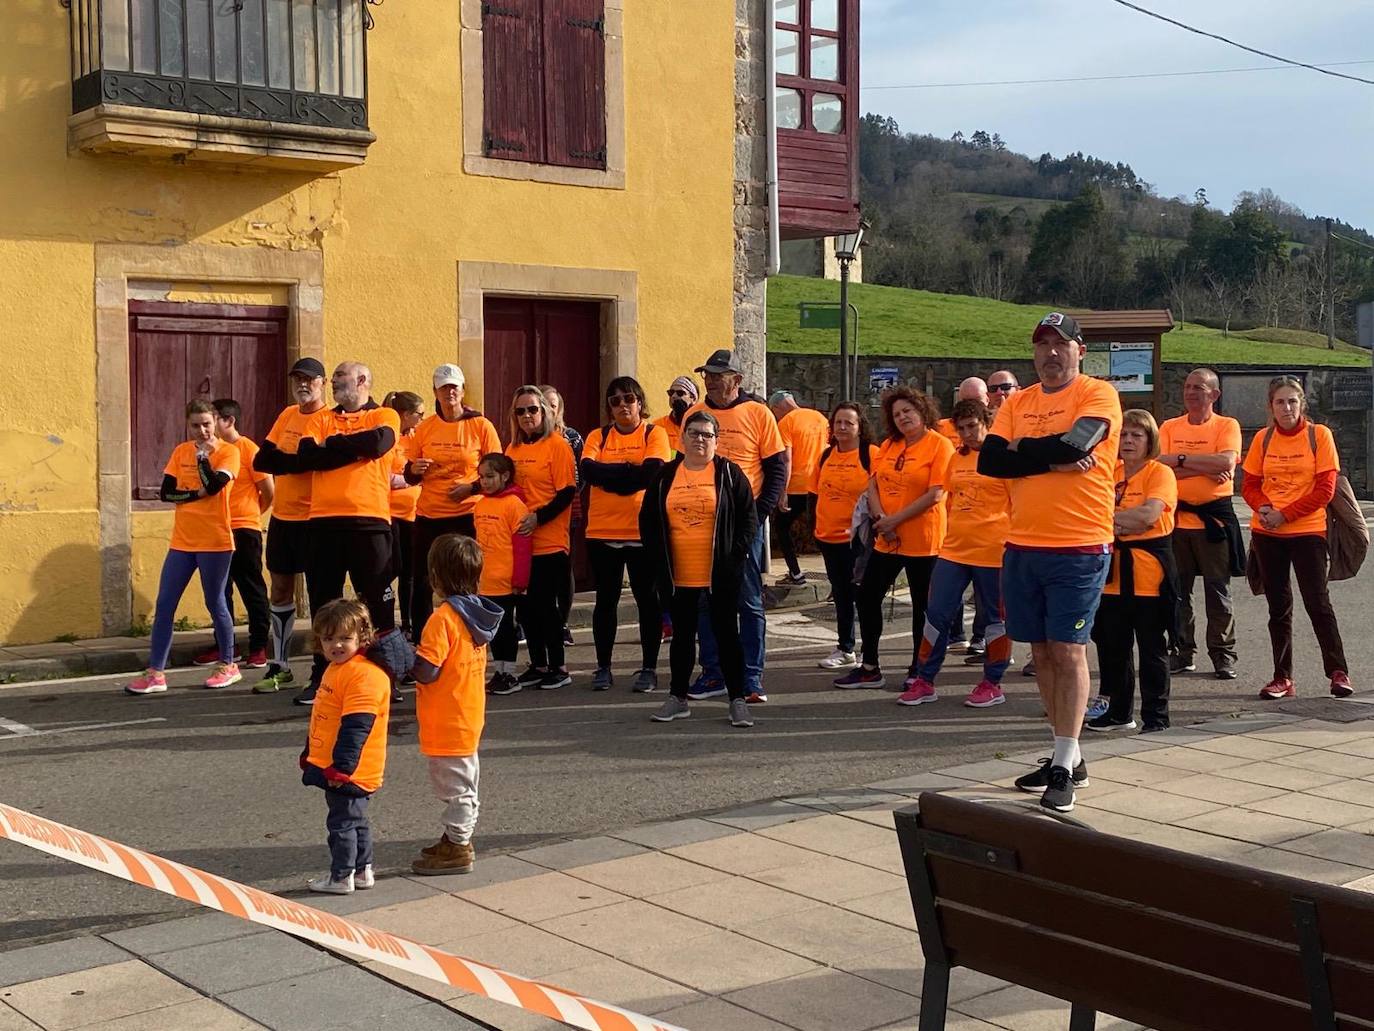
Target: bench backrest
[(1171, 940)]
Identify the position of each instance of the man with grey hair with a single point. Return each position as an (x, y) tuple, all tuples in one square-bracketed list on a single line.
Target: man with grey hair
[(347, 451), (1201, 447), (805, 433)]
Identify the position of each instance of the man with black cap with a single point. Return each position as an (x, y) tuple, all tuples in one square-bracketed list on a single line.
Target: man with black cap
[(288, 536), (749, 437), (1056, 445)]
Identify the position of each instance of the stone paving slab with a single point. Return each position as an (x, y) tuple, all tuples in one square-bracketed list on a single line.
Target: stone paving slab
[(173, 935), (95, 994), (56, 958)]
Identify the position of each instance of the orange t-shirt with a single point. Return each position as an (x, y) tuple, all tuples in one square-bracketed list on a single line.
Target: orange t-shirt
[(748, 435), (403, 499), (978, 509), (1288, 471), (837, 485), (1217, 434), (245, 507), (947, 430), (204, 524), (674, 431), (355, 686), (1154, 480), (691, 504), (361, 489), (806, 431), (1070, 509), (924, 464), (495, 519), (452, 710), (615, 517), (291, 500), (455, 448), (542, 469)]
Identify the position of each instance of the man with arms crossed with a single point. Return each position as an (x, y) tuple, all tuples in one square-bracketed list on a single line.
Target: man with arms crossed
[(288, 537), (1055, 443), (1201, 447)]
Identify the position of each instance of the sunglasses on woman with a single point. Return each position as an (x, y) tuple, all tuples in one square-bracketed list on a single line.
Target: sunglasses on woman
[(621, 399), (527, 410)]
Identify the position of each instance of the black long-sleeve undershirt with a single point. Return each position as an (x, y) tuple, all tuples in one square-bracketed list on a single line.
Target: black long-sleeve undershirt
[(620, 477), (211, 481), (343, 449), (1032, 457), (556, 505), (774, 484), (272, 459)]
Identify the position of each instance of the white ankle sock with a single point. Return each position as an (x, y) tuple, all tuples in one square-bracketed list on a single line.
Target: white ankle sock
[(1066, 753)]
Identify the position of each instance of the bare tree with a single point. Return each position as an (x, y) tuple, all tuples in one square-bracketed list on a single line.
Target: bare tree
[(1228, 295)]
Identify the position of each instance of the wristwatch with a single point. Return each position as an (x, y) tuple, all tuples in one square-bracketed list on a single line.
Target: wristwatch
[(1182, 458)]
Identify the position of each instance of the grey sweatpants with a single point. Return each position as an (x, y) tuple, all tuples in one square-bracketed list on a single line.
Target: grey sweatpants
[(454, 780)]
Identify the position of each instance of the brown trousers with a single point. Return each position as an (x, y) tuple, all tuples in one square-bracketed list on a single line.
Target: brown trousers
[(1306, 556)]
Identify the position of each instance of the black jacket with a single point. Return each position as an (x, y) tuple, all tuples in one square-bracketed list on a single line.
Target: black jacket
[(736, 525)]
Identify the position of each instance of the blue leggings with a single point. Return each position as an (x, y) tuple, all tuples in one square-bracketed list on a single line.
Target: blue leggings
[(177, 570)]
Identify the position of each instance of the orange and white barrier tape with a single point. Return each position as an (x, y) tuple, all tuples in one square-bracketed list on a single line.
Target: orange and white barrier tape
[(214, 892)]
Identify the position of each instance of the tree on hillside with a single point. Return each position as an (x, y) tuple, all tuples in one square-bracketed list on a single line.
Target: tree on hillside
[(1078, 256)]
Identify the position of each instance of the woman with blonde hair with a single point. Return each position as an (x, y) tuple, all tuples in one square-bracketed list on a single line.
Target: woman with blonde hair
[(1290, 478)]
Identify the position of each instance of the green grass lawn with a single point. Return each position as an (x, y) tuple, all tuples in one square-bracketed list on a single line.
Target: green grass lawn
[(894, 321)]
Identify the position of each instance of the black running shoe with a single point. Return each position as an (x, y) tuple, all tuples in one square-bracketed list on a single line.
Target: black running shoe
[(1039, 779), (306, 695), (1059, 794), (532, 676), (1108, 723)]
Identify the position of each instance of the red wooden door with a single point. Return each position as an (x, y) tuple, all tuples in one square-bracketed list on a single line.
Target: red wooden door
[(544, 342), (178, 352)]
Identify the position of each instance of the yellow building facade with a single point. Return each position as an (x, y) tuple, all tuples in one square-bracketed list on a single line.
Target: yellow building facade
[(389, 251)]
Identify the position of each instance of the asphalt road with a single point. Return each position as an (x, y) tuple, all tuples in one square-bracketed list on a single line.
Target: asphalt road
[(210, 778)]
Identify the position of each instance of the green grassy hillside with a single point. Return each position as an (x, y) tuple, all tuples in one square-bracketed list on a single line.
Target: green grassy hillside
[(913, 322)]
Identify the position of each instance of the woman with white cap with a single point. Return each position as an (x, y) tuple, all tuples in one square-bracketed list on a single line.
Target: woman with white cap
[(444, 455)]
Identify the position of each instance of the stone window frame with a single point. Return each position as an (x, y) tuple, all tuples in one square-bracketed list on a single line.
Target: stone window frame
[(302, 272), (616, 289), (475, 160)]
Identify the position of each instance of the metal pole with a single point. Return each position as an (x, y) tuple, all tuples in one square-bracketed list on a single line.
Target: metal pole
[(844, 329), (1330, 292)]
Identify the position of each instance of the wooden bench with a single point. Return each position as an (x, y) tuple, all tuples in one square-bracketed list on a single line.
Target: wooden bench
[(1170, 940)]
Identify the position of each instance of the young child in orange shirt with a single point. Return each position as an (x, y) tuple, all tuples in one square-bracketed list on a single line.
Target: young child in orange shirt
[(450, 703), (507, 555), (346, 751)]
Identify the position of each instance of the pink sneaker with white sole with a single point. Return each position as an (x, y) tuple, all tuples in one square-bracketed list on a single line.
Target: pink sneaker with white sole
[(985, 695), (225, 673), (152, 682), (918, 692)]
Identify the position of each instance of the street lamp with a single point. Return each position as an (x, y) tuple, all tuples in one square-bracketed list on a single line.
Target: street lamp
[(846, 250)]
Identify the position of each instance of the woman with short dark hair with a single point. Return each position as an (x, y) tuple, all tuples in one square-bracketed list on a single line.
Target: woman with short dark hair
[(618, 462), (697, 523)]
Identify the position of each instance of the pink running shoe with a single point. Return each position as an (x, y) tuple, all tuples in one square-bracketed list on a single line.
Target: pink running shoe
[(152, 682), (225, 673), (985, 695), (918, 691)]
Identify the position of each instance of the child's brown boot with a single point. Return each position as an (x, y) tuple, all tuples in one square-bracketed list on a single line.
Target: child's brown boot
[(447, 857)]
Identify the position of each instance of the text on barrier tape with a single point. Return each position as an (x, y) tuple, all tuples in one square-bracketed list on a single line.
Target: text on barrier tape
[(215, 892)]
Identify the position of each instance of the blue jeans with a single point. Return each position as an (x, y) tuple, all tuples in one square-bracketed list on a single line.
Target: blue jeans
[(753, 627), (948, 581), (177, 570), (349, 833)]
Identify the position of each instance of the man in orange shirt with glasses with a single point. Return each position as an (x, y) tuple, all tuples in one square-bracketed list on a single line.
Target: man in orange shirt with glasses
[(1055, 444)]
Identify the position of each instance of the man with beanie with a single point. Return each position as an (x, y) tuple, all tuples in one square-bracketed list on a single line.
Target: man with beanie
[(682, 394)]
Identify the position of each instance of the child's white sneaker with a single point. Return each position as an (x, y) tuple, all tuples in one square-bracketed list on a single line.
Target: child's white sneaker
[(328, 886), (364, 878)]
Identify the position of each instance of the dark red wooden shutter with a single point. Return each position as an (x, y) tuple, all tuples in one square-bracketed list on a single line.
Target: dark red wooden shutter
[(157, 382), (575, 82), (513, 80)]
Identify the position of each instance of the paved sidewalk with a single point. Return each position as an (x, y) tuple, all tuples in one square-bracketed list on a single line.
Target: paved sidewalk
[(786, 916)]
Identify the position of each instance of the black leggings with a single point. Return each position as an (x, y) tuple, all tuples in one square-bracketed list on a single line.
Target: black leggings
[(427, 531), (682, 650), (402, 545), (245, 573), (839, 569), (361, 555), (608, 569), (539, 611), (505, 644), (782, 527), (879, 576)]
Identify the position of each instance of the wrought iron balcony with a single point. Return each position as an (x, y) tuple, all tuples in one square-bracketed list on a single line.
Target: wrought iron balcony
[(277, 80)]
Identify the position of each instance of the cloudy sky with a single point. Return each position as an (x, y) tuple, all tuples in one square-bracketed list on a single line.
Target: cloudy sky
[(1307, 136)]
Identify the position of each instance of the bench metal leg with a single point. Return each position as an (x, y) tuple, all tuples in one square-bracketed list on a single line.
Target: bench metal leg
[(934, 997), (1081, 1018)]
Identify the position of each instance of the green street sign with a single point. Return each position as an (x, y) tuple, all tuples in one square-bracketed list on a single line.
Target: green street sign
[(819, 315)]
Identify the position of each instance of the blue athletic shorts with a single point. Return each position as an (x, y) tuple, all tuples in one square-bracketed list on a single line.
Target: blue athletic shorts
[(1050, 595)]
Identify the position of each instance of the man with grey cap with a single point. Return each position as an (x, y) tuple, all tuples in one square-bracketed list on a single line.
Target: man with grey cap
[(288, 535), (444, 455), (749, 437), (682, 394), (805, 432)]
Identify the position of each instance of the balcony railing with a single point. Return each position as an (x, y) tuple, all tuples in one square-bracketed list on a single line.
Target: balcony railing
[(291, 61)]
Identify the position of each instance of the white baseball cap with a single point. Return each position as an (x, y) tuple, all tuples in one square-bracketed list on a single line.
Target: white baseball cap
[(448, 375)]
